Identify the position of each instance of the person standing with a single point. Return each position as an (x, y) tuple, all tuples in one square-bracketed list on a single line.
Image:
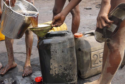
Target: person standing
[(58, 7), (9, 46)]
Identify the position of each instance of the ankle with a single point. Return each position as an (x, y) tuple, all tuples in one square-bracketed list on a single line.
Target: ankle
[(11, 63), (27, 64)]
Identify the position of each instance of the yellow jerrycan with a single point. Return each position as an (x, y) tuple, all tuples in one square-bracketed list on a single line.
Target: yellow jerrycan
[(2, 37), (63, 27)]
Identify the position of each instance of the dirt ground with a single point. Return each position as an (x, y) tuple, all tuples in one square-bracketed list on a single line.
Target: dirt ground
[(88, 10)]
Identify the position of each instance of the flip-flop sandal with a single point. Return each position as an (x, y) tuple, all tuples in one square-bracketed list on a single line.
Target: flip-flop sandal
[(117, 15)]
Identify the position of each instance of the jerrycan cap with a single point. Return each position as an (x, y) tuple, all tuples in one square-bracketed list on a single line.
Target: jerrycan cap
[(78, 35), (38, 79)]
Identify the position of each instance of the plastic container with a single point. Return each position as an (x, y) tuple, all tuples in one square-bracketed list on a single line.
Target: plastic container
[(58, 58), (38, 79), (89, 54), (2, 37), (63, 27)]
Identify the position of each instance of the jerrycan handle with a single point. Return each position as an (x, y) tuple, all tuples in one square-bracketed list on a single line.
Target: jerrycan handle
[(89, 33), (56, 33)]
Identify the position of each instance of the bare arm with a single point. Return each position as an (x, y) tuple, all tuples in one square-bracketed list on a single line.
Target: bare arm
[(102, 19), (59, 19), (70, 6)]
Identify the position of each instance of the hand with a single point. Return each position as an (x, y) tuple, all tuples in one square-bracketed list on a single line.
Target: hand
[(58, 20), (103, 21), (12, 2)]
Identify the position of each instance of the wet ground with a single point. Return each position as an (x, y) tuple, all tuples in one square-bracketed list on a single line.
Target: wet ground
[(89, 10)]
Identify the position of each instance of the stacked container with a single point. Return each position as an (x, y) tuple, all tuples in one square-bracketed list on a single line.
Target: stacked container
[(58, 58), (89, 54)]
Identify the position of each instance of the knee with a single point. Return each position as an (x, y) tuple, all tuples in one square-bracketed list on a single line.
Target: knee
[(56, 11), (8, 39), (75, 12), (113, 46), (28, 32)]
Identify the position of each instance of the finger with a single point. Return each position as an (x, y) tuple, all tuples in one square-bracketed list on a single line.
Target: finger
[(100, 25), (57, 24), (53, 21), (53, 25), (97, 24), (103, 23), (108, 21)]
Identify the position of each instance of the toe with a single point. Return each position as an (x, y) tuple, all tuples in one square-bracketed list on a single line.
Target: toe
[(2, 71)]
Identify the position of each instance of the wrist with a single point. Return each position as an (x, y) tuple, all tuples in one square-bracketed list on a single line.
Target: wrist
[(106, 4), (63, 13), (105, 7)]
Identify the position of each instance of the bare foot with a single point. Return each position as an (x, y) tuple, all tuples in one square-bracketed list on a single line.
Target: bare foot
[(94, 82), (27, 71), (0, 65), (7, 68)]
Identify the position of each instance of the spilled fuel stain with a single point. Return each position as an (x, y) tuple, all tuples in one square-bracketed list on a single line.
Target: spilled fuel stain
[(114, 59)]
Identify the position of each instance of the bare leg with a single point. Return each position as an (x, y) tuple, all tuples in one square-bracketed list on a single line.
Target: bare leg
[(29, 41), (0, 18), (0, 65), (11, 63), (0, 10), (115, 55), (59, 4), (75, 19)]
